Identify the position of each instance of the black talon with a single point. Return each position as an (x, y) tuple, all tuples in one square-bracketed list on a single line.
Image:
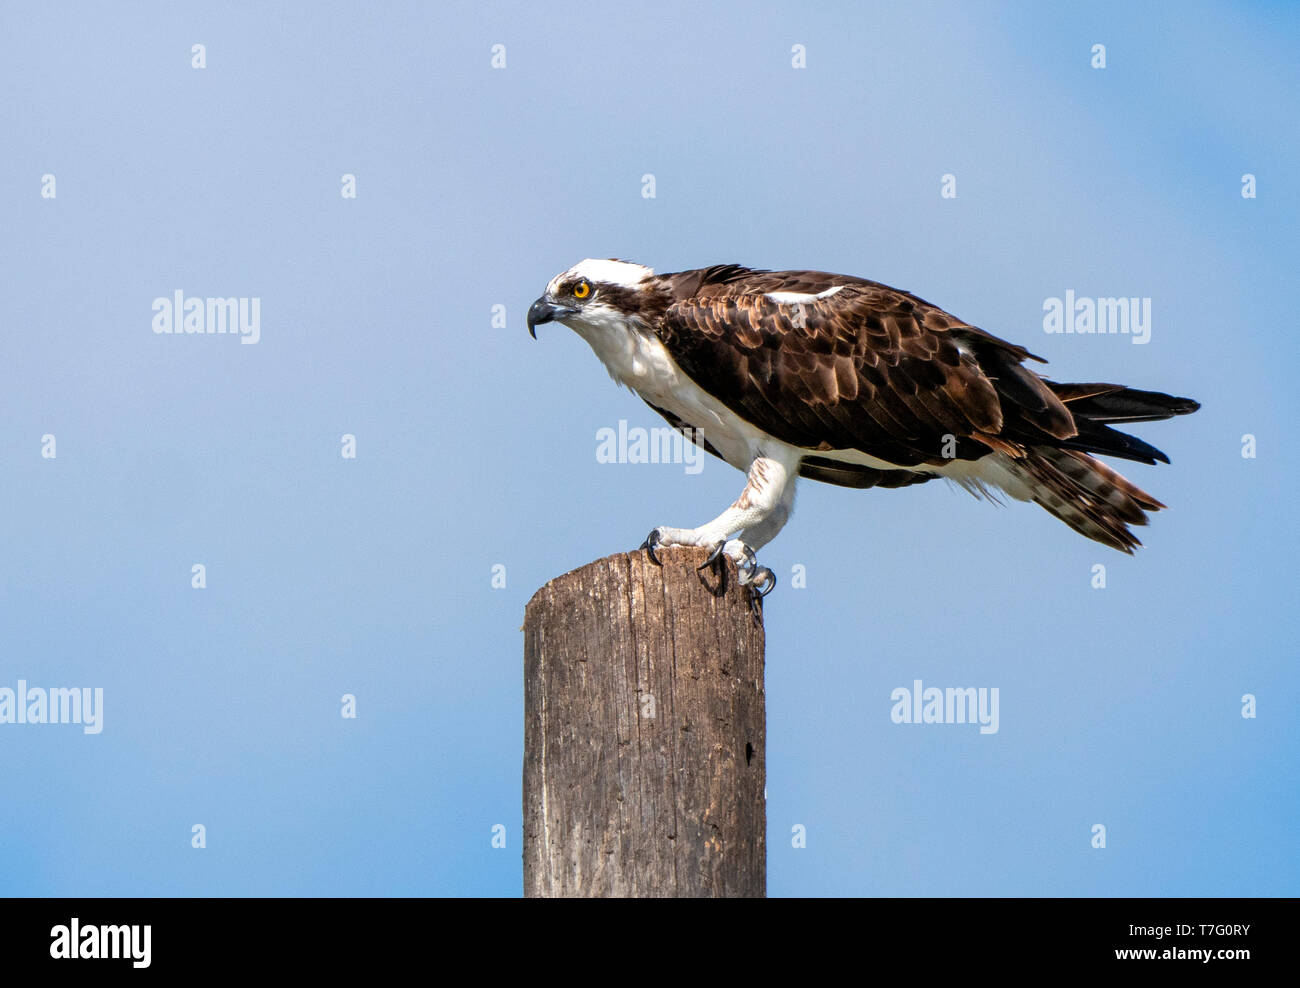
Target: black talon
[(649, 544), (717, 562), (767, 579), (713, 557)]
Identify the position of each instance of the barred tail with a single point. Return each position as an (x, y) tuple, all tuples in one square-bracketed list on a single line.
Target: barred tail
[(1086, 494)]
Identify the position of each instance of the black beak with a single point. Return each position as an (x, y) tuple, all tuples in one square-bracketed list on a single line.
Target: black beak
[(544, 310)]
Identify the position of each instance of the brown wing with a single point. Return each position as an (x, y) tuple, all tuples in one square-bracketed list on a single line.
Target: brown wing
[(869, 368), (814, 467)]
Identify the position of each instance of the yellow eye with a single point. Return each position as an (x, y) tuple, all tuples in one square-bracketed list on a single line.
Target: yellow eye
[(581, 290)]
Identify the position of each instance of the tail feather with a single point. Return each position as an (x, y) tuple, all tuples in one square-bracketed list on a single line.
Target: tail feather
[(1087, 495), (1094, 405), (1116, 403), (1093, 437), (1038, 460)]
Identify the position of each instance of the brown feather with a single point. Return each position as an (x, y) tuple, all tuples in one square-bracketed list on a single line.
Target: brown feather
[(878, 370)]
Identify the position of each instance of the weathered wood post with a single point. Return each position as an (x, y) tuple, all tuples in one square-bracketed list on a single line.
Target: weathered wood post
[(644, 732)]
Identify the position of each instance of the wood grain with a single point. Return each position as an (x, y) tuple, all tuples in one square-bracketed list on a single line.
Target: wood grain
[(644, 732)]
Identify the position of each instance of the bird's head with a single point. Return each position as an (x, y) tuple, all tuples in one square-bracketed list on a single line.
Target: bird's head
[(591, 294)]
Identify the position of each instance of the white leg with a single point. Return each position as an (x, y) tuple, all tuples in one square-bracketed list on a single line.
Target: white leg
[(758, 514), (761, 534)]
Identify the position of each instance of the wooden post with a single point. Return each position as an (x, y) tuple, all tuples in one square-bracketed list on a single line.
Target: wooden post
[(644, 732)]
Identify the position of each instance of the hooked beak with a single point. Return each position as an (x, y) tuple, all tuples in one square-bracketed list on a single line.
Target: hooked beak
[(544, 310)]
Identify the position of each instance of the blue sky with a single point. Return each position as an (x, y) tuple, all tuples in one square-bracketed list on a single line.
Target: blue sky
[(476, 446)]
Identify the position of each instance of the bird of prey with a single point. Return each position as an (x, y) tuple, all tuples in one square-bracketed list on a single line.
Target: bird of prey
[(790, 374)]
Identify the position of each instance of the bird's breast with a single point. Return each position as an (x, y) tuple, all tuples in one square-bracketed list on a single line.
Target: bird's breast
[(637, 358)]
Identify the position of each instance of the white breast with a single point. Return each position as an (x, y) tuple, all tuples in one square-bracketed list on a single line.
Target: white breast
[(635, 357)]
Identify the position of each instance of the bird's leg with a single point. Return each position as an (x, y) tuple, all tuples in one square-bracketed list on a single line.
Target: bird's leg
[(761, 580), (758, 514)]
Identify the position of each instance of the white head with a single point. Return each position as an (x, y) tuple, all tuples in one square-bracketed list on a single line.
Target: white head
[(625, 274), (590, 293)]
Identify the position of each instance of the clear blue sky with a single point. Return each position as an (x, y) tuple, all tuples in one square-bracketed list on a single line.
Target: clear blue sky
[(476, 446)]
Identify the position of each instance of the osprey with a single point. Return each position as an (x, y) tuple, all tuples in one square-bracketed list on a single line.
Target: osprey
[(789, 374)]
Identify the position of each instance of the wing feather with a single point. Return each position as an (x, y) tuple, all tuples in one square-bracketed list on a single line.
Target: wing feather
[(866, 367)]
